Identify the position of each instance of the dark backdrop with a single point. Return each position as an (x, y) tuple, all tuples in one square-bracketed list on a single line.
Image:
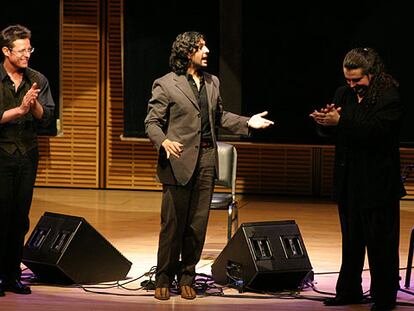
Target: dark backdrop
[(43, 21), (293, 59), (291, 56), (150, 27)]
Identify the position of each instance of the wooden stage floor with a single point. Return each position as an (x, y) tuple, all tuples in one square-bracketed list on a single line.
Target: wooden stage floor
[(129, 220)]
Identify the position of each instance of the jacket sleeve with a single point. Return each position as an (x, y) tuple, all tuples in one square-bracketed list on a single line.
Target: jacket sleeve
[(156, 120), (229, 121)]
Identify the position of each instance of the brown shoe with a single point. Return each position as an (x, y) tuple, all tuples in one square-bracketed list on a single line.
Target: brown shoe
[(187, 292), (162, 293)]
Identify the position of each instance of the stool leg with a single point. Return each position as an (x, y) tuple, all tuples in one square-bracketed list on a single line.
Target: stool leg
[(233, 217), (229, 221), (410, 260)]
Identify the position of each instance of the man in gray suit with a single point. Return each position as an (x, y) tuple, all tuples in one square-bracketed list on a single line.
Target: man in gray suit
[(184, 114)]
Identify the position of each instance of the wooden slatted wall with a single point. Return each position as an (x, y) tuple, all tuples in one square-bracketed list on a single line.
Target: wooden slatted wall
[(275, 169), (91, 154), (71, 160), (129, 164), (326, 170), (407, 169)]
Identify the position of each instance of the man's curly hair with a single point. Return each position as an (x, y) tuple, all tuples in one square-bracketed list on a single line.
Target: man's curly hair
[(185, 45)]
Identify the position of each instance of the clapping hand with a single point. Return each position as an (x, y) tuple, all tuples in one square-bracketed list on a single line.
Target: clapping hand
[(29, 98), (328, 115)]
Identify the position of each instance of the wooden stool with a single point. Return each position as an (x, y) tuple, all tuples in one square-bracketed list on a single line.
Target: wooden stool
[(410, 260)]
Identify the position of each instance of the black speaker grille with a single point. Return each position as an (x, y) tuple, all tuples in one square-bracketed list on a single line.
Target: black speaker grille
[(263, 256), (66, 249)]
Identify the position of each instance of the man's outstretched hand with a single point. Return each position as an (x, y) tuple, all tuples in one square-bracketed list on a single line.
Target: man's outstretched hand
[(258, 122)]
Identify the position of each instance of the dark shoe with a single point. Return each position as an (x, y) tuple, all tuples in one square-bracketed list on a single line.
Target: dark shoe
[(342, 301), (162, 293), (16, 286), (187, 292), (382, 307)]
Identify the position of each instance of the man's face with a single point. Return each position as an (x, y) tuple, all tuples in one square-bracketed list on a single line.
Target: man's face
[(18, 56), (199, 58), (358, 81)]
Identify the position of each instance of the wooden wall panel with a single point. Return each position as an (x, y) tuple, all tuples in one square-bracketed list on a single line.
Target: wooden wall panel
[(69, 160), (80, 83), (114, 82), (72, 159), (407, 170), (326, 170), (131, 164), (91, 152), (274, 169), (122, 160)]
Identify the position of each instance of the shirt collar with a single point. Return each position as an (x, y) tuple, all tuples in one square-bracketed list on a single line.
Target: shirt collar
[(3, 73), (190, 76)]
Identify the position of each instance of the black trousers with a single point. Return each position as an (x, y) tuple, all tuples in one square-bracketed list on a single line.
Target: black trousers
[(17, 178), (184, 218), (378, 231)]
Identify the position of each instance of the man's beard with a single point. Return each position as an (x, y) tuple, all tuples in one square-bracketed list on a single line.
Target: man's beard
[(361, 90)]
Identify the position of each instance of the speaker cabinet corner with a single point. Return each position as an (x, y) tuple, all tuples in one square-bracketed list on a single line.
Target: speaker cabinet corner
[(264, 256), (66, 249)]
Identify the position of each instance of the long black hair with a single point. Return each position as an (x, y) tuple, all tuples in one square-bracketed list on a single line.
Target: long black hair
[(371, 63)]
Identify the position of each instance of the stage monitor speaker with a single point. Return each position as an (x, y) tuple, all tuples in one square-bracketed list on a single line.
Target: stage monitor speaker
[(264, 257), (64, 249)]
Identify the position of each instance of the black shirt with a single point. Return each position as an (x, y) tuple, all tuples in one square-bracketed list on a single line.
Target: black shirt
[(201, 96), (20, 134)]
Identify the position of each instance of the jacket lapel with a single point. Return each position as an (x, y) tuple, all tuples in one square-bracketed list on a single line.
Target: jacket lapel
[(185, 88), (209, 89)]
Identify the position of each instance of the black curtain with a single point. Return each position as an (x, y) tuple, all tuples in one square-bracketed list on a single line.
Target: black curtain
[(291, 59), (150, 27), (44, 23)]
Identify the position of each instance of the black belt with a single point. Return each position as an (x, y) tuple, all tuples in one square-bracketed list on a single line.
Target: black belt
[(206, 144)]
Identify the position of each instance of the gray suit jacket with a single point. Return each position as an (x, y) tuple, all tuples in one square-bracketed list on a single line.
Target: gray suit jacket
[(173, 113)]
